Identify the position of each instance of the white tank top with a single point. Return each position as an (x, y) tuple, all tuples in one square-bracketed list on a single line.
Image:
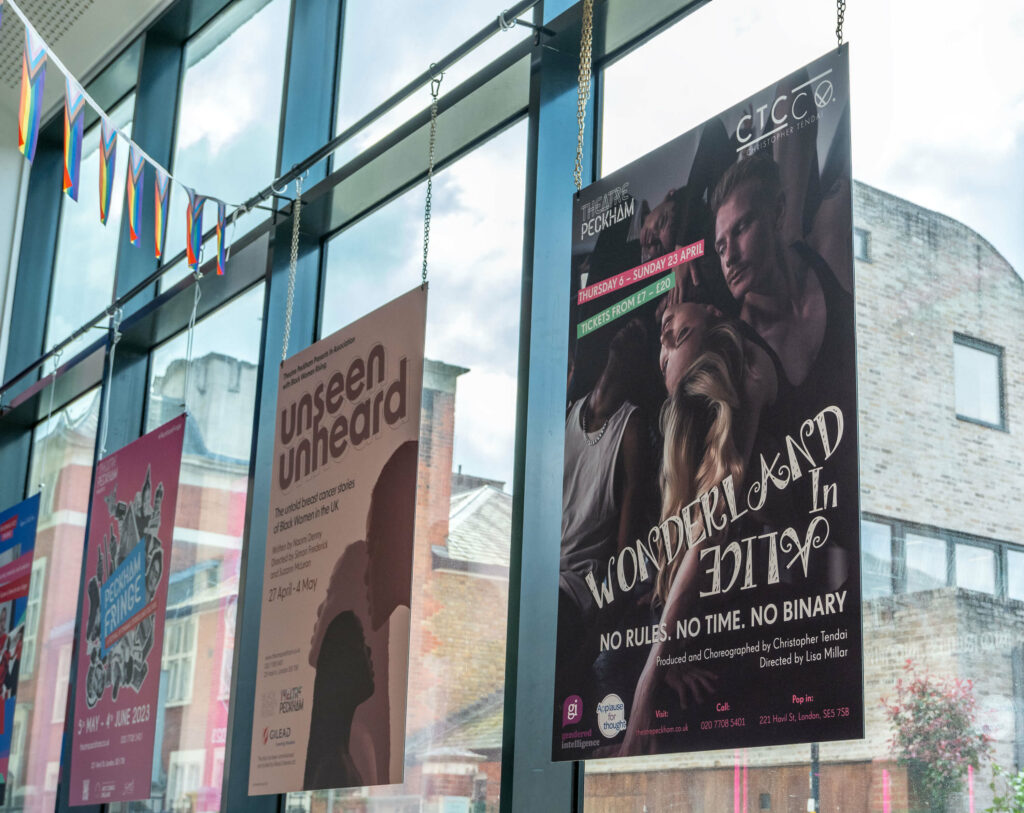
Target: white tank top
[(590, 512)]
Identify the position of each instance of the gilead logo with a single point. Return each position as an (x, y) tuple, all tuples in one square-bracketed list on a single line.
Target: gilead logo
[(275, 734), (611, 716), (787, 108)]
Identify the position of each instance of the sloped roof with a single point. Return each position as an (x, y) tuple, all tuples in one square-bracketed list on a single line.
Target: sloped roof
[(476, 728), (479, 527)]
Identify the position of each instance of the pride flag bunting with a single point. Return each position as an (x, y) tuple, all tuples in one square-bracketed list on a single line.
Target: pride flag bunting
[(33, 76), (161, 192), (221, 242), (133, 191), (108, 155), (74, 121), (194, 226)]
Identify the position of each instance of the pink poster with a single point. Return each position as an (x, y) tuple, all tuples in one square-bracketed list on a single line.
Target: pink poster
[(128, 554)]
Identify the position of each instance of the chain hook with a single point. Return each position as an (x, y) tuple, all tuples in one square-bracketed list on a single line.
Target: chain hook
[(840, 19)]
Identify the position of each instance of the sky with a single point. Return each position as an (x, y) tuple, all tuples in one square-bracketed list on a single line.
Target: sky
[(937, 118), (937, 97)]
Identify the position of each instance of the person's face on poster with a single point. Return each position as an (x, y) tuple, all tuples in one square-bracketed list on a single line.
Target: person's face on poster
[(657, 234), (746, 240), (345, 591), (683, 325)]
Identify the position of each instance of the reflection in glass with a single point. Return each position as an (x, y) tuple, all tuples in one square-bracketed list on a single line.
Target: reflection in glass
[(86, 260), (465, 461), (876, 558), (976, 568), (229, 115), (61, 467), (1015, 575), (407, 55), (926, 564), (206, 553)]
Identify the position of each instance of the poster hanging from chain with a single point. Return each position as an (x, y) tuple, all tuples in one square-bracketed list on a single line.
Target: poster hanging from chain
[(17, 547), (332, 668), (709, 582), (127, 563)]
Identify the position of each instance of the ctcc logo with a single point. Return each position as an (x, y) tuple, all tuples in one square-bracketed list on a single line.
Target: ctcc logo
[(795, 105)]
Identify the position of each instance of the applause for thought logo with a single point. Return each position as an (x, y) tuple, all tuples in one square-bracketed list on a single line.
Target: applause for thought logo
[(572, 710), (611, 716)]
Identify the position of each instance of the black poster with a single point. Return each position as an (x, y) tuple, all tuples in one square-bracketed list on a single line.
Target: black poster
[(709, 581)]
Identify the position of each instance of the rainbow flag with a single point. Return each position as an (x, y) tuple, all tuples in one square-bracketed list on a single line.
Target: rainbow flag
[(161, 193), (33, 76), (221, 221), (194, 226), (133, 191), (108, 155), (74, 121)]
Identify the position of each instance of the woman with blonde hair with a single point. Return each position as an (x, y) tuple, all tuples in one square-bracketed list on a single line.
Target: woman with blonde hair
[(709, 421)]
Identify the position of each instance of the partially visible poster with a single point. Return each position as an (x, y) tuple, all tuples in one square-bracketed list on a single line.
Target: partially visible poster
[(709, 580), (332, 673), (17, 545), (120, 645)]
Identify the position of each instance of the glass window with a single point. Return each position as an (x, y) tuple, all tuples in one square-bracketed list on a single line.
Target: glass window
[(1015, 574), (876, 558), (978, 375), (36, 587), (229, 113), (861, 244), (926, 565), (945, 257), (179, 659), (466, 451), (407, 55), (206, 553), (86, 259), (976, 568), (62, 460)]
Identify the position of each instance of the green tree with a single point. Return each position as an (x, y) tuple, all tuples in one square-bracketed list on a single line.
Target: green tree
[(936, 733)]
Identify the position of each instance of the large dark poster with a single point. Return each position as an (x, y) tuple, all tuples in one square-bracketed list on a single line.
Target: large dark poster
[(709, 584)]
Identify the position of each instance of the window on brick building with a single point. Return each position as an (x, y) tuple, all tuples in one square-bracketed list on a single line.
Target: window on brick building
[(978, 375), (1015, 574), (876, 558), (976, 568), (927, 566), (862, 244)]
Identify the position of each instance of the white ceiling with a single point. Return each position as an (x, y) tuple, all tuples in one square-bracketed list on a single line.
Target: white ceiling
[(84, 34)]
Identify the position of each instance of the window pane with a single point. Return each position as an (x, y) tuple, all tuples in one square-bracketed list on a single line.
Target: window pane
[(229, 115), (976, 568), (926, 563), (946, 255), (407, 54), (1015, 575), (876, 558), (62, 458), (86, 260), (207, 540), (978, 393), (466, 450)]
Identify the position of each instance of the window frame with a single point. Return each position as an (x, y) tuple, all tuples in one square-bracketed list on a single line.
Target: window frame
[(964, 340)]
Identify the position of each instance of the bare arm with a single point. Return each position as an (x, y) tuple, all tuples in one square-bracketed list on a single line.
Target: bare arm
[(633, 467)]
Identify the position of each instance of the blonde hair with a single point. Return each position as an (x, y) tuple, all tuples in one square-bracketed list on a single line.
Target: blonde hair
[(698, 422)]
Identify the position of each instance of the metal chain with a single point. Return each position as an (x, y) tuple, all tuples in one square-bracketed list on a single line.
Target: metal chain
[(293, 264), (586, 40), (49, 416), (116, 337), (435, 88), (190, 336), (840, 16)]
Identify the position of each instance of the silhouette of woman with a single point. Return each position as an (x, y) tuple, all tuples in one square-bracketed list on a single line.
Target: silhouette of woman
[(344, 679)]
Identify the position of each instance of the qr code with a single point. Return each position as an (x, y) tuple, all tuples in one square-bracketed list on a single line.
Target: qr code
[(269, 704)]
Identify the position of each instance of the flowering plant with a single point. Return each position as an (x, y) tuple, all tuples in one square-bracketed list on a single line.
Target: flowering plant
[(936, 733)]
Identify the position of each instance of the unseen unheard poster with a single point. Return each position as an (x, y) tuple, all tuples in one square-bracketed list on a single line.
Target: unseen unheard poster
[(333, 658)]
